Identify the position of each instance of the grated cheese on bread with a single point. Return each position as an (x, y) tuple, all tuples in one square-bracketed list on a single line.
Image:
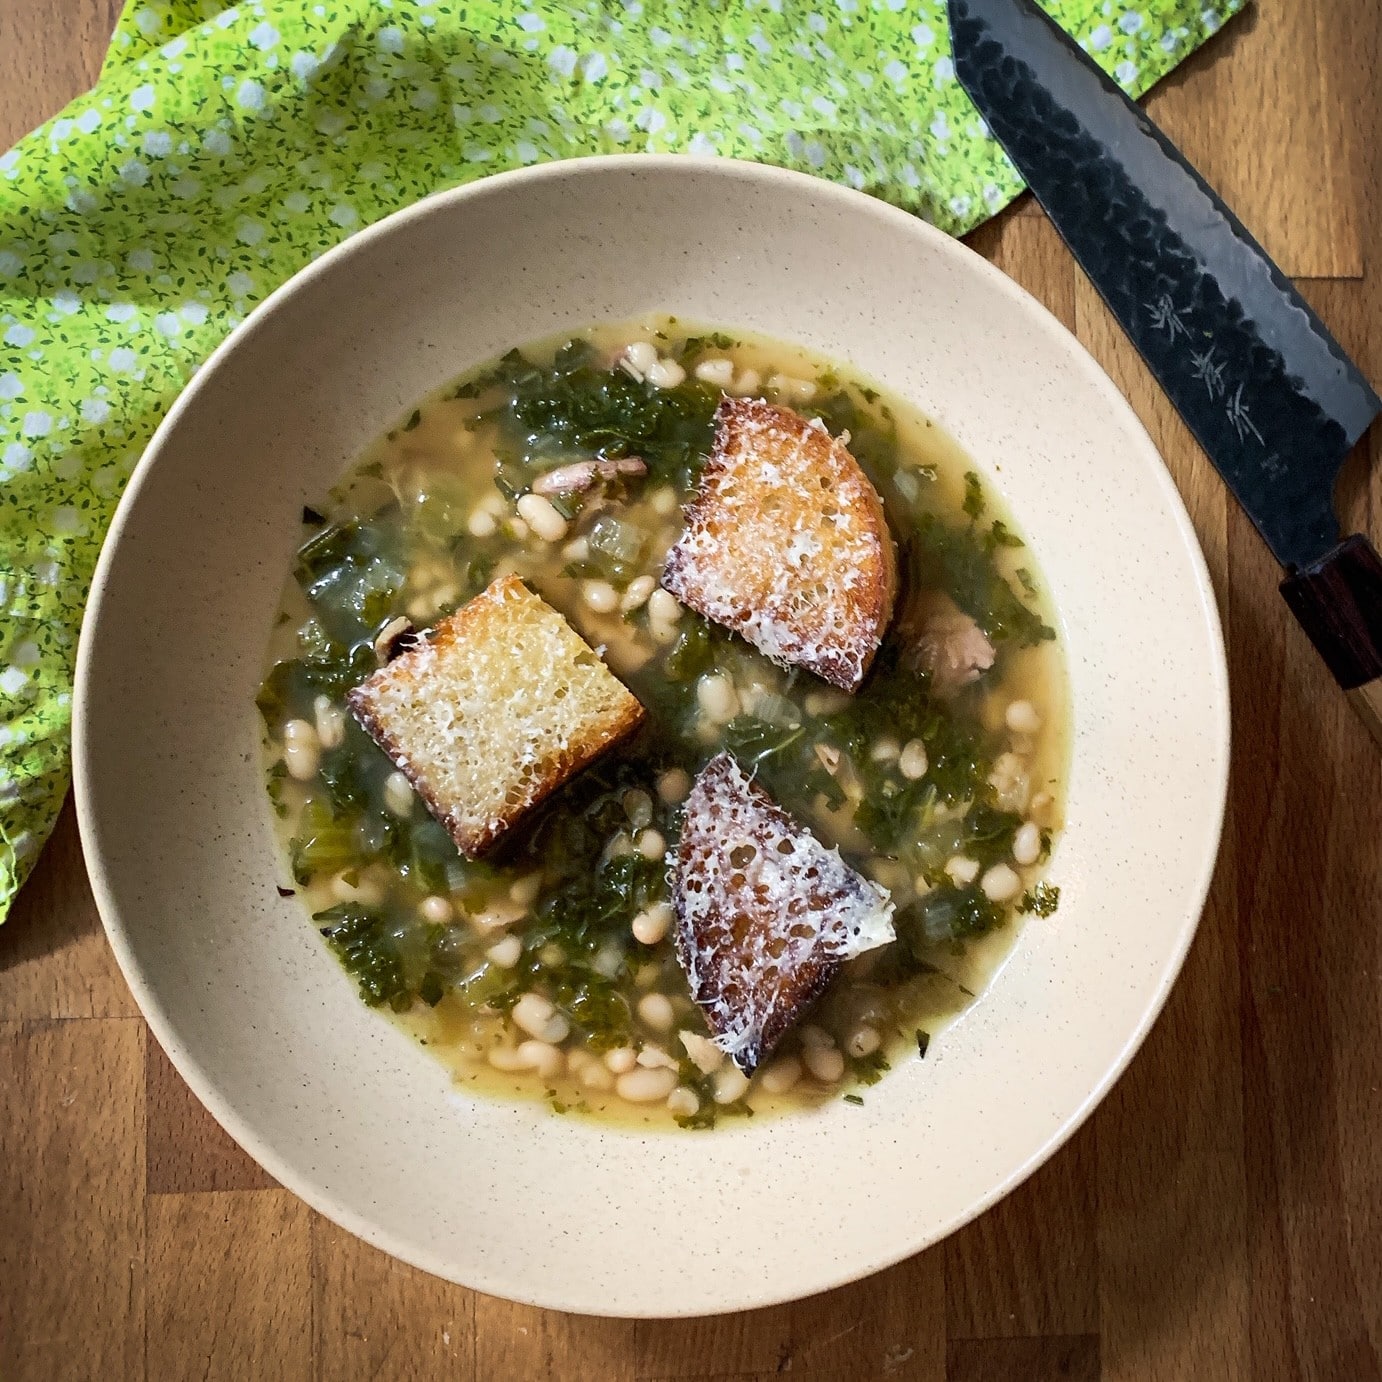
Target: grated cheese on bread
[(766, 915), (787, 544), (492, 710)]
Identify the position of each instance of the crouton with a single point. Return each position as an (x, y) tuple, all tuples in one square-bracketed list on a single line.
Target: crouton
[(492, 710), (765, 913), (786, 543)]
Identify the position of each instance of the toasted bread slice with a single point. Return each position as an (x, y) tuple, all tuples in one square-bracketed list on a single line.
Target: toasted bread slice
[(492, 710), (765, 913), (786, 543)]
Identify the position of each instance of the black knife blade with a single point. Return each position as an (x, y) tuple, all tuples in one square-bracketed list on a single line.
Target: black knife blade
[(1267, 391)]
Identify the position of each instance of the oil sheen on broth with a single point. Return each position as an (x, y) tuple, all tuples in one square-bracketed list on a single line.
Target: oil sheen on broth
[(548, 971)]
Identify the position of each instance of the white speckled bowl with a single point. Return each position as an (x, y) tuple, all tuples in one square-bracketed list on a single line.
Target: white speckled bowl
[(258, 1018)]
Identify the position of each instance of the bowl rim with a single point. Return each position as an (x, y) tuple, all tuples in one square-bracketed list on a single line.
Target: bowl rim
[(163, 1023)]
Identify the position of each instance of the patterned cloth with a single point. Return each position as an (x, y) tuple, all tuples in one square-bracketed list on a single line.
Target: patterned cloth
[(224, 148)]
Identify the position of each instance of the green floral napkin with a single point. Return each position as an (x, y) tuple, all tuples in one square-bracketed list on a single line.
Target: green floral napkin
[(226, 147)]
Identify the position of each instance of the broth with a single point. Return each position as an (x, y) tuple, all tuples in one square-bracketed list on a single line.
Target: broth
[(568, 922)]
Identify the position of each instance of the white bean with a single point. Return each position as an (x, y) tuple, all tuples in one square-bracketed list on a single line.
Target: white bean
[(578, 549), (398, 795), (781, 1075), (912, 763), (507, 1058), (506, 953), (683, 1102), (796, 390), (664, 502), (884, 750), (621, 1060), (820, 703), (651, 845), (1027, 843), (542, 1057), (719, 372), (663, 607), (863, 1041), (301, 750), (716, 696), (643, 1086), (1000, 883), (596, 1077), (664, 635), (331, 722), (600, 596), (638, 807), (655, 1058), (496, 916), (673, 786), (524, 891), (518, 529), (481, 523), (962, 870), (702, 1052), (435, 909), (538, 1017), (608, 960), (748, 381), (655, 1009), (825, 1063), (665, 374), (652, 924), (1021, 717), (542, 516), (636, 596), (637, 358), (811, 1035), (365, 891), (730, 1084)]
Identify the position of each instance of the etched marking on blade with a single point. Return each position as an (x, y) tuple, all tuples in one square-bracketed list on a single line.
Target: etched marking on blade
[(1267, 391)]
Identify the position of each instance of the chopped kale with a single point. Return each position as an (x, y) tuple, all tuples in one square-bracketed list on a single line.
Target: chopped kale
[(575, 407), (1000, 535), (854, 1099), (988, 833), (868, 1069), (945, 556), (923, 1043), (1041, 900), (946, 915), (693, 651), (973, 502), (364, 945), (753, 741)]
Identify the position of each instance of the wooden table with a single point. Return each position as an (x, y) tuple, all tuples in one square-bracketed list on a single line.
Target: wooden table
[(1219, 1218)]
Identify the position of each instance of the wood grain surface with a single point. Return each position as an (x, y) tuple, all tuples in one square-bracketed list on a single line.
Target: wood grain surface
[(1220, 1217)]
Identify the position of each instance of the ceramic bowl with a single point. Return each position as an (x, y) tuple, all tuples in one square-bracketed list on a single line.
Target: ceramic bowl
[(340, 1106)]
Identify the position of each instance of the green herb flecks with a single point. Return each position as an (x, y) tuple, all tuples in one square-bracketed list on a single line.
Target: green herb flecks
[(1041, 900)]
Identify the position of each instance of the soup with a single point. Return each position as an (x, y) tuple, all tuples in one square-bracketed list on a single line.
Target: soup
[(547, 969)]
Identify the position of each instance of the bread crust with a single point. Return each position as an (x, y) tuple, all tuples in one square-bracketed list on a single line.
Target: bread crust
[(765, 913), (787, 543)]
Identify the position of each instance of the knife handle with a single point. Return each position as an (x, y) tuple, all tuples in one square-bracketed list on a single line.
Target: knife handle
[(1338, 601)]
